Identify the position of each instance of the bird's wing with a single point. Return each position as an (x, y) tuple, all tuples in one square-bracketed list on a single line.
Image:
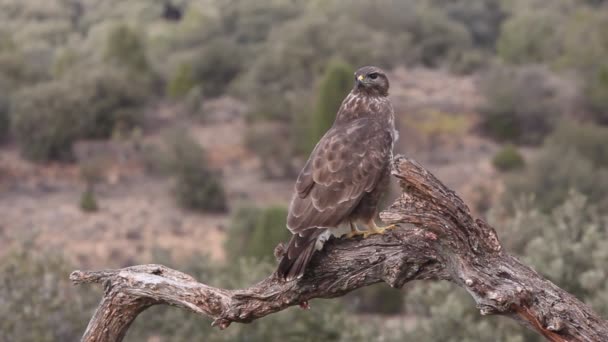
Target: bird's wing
[(346, 163)]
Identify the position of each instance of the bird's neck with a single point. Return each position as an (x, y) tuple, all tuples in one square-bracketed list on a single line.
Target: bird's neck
[(357, 105)]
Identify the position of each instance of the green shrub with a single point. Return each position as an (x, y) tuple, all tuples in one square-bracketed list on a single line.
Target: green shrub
[(531, 37), (47, 118), (554, 174), (270, 229), (125, 47), (336, 83), (44, 120), (39, 303), (88, 203), (216, 65), (573, 158), (508, 159), (482, 18), (4, 119), (181, 82), (196, 186), (91, 172), (587, 140), (521, 104), (112, 100), (586, 25), (255, 232)]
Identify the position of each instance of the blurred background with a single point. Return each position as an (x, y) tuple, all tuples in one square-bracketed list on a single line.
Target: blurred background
[(171, 131)]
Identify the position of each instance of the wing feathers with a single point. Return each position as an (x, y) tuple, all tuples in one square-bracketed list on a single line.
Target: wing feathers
[(345, 164)]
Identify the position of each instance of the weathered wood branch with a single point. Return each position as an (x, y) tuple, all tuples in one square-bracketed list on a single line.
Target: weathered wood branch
[(441, 241)]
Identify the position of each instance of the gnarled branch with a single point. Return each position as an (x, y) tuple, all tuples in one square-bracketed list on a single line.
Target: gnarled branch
[(441, 241)]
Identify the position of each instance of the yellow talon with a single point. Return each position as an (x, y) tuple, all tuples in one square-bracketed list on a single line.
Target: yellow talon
[(372, 229), (354, 231)]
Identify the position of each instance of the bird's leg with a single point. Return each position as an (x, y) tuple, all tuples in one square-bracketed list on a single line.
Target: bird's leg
[(353, 230), (372, 228)]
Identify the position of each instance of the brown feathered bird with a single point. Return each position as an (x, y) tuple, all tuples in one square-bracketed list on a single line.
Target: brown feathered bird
[(345, 175)]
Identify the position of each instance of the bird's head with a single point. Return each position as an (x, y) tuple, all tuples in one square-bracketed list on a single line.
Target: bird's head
[(371, 80)]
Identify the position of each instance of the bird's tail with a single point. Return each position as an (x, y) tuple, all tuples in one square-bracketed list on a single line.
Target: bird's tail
[(297, 255)]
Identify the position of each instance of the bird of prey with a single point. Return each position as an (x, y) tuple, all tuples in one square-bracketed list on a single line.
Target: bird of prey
[(345, 175)]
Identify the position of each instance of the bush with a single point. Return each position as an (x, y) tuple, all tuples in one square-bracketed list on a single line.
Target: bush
[(270, 229), (573, 158), (196, 186), (531, 37), (88, 203), (554, 174), (181, 82), (596, 92), (216, 65), (482, 18), (44, 119), (508, 159), (587, 25), (39, 303), (4, 119), (49, 117), (125, 48), (336, 83), (587, 140), (255, 232), (521, 104)]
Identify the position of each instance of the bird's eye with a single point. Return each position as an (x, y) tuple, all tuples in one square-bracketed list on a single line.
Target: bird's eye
[(373, 76)]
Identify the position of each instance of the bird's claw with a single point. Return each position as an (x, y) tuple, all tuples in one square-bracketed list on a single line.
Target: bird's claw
[(378, 230), (354, 233)]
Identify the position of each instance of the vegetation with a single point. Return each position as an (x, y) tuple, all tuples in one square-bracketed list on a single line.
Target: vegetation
[(49, 117), (522, 104), (88, 203), (87, 69), (4, 116), (573, 158), (125, 48), (91, 172), (508, 159), (181, 82), (197, 187), (336, 83), (39, 304), (255, 232)]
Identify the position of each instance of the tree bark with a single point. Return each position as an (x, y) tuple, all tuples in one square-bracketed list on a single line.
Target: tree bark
[(438, 239)]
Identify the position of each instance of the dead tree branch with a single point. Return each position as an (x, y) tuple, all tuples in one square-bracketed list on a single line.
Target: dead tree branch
[(442, 241)]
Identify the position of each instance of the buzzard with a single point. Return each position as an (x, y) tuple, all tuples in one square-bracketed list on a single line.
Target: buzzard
[(345, 175)]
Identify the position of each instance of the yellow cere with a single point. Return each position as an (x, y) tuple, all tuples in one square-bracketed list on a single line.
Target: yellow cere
[(360, 78)]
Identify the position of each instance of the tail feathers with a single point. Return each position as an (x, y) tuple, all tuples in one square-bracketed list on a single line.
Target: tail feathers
[(297, 256)]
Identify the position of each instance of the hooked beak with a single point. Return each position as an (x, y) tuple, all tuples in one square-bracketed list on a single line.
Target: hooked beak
[(360, 79)]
